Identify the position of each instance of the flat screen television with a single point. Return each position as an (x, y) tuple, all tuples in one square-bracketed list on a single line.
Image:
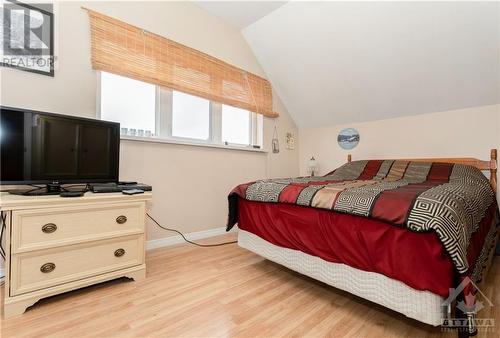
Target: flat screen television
[(53, 149)]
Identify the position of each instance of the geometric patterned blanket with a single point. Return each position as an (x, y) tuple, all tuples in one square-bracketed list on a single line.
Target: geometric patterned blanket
[(450, 199)]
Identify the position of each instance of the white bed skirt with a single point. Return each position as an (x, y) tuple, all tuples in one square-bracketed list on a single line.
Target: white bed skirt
[(423, 306)]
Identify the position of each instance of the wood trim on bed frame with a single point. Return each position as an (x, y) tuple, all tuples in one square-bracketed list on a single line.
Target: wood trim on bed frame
[(490, 165)]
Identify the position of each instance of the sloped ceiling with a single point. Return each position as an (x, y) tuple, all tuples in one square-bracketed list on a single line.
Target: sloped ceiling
[(345, 62), (240, 13)]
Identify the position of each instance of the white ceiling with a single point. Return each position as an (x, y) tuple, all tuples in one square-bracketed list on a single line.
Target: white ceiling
[(345, 62), (240, 13)]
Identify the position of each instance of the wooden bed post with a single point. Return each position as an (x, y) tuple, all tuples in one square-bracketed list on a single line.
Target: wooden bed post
[(493, 169), (349, 158)]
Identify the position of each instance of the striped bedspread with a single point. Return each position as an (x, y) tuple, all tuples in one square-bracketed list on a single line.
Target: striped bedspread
[(449, 199)]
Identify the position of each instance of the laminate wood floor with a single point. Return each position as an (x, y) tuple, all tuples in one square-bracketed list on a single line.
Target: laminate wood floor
[(221, 292)]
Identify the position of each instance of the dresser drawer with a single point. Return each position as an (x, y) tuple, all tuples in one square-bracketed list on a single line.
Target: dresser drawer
[(43, 228), (45, 268)]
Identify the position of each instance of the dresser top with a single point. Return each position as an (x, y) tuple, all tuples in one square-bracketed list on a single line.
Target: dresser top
[(16, 202)]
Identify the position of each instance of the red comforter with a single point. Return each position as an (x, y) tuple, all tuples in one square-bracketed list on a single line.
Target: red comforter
[(417, 259)]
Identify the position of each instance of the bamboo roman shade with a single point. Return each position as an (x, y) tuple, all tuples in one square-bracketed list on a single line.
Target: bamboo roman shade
[(123, 49)]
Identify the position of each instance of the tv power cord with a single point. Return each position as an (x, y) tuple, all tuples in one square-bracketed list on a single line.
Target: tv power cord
[(187, 240)]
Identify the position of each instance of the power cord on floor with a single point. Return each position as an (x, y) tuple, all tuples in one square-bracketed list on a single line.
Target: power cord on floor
[(2, 228), (187, 240)]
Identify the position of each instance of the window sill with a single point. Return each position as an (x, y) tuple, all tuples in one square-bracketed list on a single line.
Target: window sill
[(190, 143)]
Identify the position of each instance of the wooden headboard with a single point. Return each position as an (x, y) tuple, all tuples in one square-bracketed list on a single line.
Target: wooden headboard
[(490, 165)]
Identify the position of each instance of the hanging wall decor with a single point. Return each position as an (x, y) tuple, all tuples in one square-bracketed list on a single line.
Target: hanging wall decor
[(348, 138), (275, 142), (290, 141)]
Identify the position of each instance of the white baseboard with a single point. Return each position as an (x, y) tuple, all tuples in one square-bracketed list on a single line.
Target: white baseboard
[(192, 236)]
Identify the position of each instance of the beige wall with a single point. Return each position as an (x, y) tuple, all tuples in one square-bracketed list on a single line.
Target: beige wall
[(468, 132), (190, 183)]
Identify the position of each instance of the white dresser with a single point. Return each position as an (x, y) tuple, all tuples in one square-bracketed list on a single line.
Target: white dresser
[(55, 244)]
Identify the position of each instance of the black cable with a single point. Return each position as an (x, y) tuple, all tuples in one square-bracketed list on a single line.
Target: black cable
[(36, 186), (4, 226), (3, 217), (75, 185), (85, 189), (187, 240), (32, 190)]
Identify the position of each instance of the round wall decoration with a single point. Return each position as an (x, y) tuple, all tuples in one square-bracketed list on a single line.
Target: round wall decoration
[(348, 138)]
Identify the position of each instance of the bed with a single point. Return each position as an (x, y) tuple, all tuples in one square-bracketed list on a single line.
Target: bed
[(400, 233)]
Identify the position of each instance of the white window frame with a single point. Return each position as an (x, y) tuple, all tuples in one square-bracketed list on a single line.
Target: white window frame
[(163, 124)]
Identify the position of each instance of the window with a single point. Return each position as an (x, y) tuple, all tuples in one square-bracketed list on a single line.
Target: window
[(236, 125), (130, 102), (146, 110), (190, 116)]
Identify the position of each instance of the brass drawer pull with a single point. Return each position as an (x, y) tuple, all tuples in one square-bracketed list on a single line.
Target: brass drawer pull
[(47, 267), (119, 252), (49, 228), (121, 219)]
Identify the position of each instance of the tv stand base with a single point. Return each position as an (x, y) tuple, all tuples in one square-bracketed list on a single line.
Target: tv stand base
[(48, 189)]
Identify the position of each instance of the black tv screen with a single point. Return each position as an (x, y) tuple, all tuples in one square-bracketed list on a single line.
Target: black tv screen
[(43, 148)]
